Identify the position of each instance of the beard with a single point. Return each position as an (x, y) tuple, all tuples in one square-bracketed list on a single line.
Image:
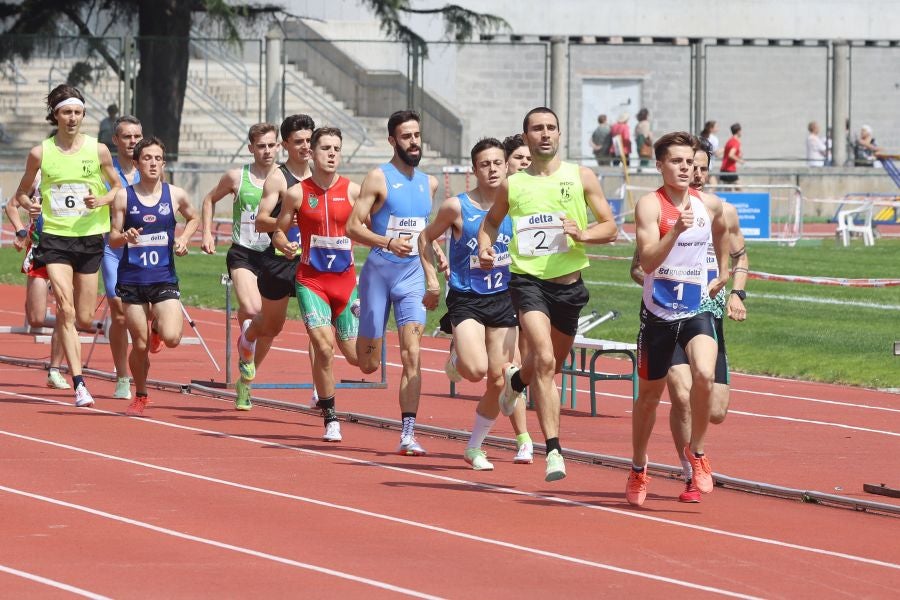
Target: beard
[(412, 161)]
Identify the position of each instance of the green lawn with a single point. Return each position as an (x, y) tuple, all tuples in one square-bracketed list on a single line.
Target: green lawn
[(815, 332)]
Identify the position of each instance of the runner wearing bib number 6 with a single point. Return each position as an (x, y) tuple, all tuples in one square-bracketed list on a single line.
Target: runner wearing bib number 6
[(326, 276), (674, 226), (548, 205), (143, 221), (75, 207)]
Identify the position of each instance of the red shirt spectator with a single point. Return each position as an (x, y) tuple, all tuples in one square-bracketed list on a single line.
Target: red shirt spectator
[(621, 129), (732, 153)]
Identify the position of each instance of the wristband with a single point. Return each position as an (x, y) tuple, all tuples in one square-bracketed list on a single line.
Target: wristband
[(22, 233), (388, 245)]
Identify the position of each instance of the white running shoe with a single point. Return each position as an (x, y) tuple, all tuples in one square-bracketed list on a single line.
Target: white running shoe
[(332, 432), (478, 459), (525, 454), (509, 396), (450, 368), (410, 447), (123, 388), (56, 381), (556, 466), (83, 397)]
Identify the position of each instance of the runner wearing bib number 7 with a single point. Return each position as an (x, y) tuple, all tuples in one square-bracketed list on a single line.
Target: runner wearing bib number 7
[(674, 226), (548, 205), (326, 276)]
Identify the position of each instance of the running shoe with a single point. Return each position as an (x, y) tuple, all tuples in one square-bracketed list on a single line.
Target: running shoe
[(450, 368), (509, 396), (156, 343), (136, 408), (354, 308), (410, 447), (702, 477), (83, 396), (123, 388), (332, 432), (56, 381), (556, 466), (478, 459), (525, 454), (690, 494), (246, 356), (242, 400), (636, 487)]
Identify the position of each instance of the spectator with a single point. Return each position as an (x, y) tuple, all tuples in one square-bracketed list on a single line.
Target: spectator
[(644, 137), (108, 126), (710, 128), (816, 149), (865, 148), (732, 156), (620, 130), (600, 141)]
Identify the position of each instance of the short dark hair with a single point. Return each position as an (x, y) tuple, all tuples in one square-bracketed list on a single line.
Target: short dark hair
[(601, 119), (260, 129), (674, 138), (130, 119), (323, 131), (147, 141), (296, 123), (399, 118), (64, 91), (643, 114), (513, 143), (538, 110), (735, 129), (485, 143), (705, 146)]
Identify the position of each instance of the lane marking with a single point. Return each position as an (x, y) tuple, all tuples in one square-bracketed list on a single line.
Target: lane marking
[(52, 583)]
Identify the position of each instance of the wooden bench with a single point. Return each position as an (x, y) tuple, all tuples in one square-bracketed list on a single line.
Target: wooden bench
[(578, 365)]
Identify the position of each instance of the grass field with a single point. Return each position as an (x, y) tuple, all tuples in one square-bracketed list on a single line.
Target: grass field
[(814, 332)]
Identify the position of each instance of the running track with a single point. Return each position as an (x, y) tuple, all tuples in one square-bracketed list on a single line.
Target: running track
[(198, 500)]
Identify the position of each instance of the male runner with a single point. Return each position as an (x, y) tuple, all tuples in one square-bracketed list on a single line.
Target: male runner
[(397, 197), (277, 273), (479, 309), (678, 380), (326, 277), (547, 204), (246, 185), (518, 156), (143, 221), (76, 215), (126, 134), (674, 227)]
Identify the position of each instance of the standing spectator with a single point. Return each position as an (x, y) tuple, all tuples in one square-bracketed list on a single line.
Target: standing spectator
[(865, 148), (108, 126), (816, 149), (710, 128), (600, 141), (620, 129), (732, 156), (644, 137)]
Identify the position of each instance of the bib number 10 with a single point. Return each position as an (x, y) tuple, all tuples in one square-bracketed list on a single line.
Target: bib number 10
[(149, 259)]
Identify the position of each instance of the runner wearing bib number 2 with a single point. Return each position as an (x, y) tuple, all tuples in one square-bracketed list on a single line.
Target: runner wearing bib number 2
[(548, 206), (674, 226), (397, 198), (75, 207), (143, 221), (326, 277)]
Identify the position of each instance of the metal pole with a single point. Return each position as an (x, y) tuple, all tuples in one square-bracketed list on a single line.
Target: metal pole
[(559, 82), (127, 108), (273, 76)]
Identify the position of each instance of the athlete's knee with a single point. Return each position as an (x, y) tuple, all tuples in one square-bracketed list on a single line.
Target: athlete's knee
[(719, 408), (473, 371), (324, 355), (171, 340), (543, 362), (409, 357)]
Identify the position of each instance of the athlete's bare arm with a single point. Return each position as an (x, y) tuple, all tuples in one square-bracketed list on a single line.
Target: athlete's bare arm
[(353, 193), (449, 216), (490, 225), (288, 209), (604, 230), (653, 249), (12, 213), (637, 273), (111, 177), (720, 241), (372, 195), (26, 184), (192, 220), (273, 189), (117, 237), (228, 184), (738, 252)]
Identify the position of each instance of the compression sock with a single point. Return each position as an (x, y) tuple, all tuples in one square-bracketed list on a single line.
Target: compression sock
[(480, 430), (553, 444), (409, 424), (516, 382)]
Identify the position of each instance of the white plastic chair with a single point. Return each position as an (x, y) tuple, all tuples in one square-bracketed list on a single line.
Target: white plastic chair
[(847, 224)]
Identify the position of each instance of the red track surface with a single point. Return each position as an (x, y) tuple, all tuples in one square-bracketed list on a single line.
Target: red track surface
[(108, 504)]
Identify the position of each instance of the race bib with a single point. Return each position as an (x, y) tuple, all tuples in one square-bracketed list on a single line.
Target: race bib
[(150, 250), (67, 199), (712, 267), (249, 237), (541, 234), (406, 229), (489, 281), (678, 289), (331, 254)]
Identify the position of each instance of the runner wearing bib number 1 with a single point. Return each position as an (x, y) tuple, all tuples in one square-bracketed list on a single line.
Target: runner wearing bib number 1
[(143, 221), (75, 207), (326, 277), (674, 226), (548, 206)]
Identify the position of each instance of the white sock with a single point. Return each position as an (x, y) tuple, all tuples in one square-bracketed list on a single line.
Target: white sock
[(686, 469), (480, 429), (54, 369)]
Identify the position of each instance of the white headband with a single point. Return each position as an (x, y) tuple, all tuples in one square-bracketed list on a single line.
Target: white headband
[(67, 102)]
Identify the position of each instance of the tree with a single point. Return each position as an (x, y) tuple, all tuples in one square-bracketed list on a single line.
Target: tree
[(163, 31)]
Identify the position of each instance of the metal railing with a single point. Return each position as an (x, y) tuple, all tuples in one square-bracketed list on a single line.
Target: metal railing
[(219, 113), (214, 50)]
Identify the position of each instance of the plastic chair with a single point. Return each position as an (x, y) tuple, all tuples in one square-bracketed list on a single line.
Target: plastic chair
[(847, 225)]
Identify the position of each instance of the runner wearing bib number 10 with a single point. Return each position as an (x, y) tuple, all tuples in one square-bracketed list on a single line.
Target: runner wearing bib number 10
[(143, 220), (326, 276), (674, 226), (75, 208), (548, 205)]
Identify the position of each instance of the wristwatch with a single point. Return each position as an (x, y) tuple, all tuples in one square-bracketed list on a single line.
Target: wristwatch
[(742, 294), (22, 233)]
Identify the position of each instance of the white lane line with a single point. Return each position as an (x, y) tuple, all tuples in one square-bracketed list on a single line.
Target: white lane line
[(52, 583), (818, 400), (814, 422), (222, 545), (485, 486), (367, 513)]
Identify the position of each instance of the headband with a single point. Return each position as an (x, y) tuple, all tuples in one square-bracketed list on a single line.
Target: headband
[(67, 102)]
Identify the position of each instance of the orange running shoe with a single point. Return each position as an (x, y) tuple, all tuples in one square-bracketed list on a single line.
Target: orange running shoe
[(136, 408), (702, 477), (636, 488), (690, 494), (156, 343)]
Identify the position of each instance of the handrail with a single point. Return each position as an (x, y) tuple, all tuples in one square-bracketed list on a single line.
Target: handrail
[(230, 63), (17, 79), (89, 100), (220, 114)]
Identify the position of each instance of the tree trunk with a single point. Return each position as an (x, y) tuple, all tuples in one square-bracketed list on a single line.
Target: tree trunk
[(163, 44)]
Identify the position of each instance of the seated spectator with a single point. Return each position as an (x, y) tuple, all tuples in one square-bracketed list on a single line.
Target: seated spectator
[(865, 148)]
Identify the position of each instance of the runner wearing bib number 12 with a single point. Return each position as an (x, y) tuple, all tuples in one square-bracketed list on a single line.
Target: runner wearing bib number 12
[(326, 277), (548, 205), (75, 207), (674, 226), (143, 220)]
